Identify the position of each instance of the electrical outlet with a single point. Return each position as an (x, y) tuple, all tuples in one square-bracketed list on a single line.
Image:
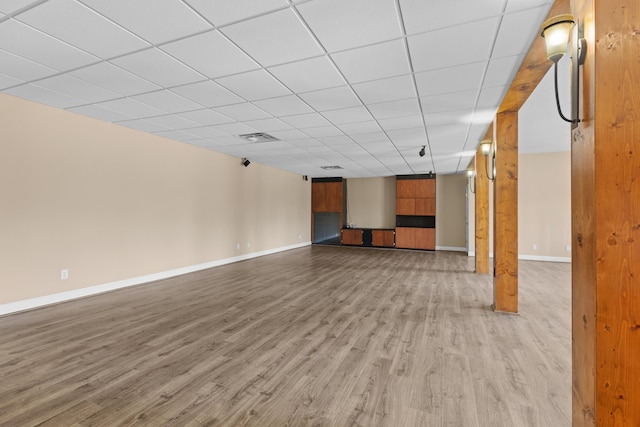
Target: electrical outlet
[(534, 247), (248, 244), (237, 246), (64, 274), (299, 236), (567, 248)]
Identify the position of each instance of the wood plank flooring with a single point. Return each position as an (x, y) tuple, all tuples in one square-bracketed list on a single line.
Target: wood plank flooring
[(318, 336)]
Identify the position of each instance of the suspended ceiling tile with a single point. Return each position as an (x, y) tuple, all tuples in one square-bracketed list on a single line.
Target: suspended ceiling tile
[(6, 81), (191, 51), (77, 88), (322, 131), (273, 39), (343, 25), (373, 62), (156, 21), (168, 101), (158, 67), (221, 12), (21, 68), (384, 90), (114, 78), (359, 127), (465, 44), (450, 79), (408, 136), (100, 113), (515, 5), (348, 115), (448, 117), (452, 101), (254, 85), (208, 94), (501, 71), (269, 125), (44, 96), (284, 106), (81, 27), (308, 75), (203, 132), (10, 6), (132, 108), (205, 117), (372, 137), (306, 120), (39, 47), (241, 112), (492, 96), (448, 135), (173, 121), (288, 135), (517, 32), (421, 15), (331, 99), (387, 110), (176, 135), (404, 122)]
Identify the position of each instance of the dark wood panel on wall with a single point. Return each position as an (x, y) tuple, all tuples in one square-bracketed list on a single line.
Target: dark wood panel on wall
[(327, 196), (405, 206), (415, 211)]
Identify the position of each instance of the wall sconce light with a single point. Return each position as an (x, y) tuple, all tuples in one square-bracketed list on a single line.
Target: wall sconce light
[(488, 150), (471, 175), (422, 152), (245, 162), (556, 32)]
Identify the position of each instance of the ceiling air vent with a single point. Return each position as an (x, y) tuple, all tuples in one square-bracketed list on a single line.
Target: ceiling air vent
[(330, 167), (258, 137)]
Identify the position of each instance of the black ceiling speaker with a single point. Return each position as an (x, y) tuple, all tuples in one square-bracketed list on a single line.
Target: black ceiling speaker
[(245, 162)]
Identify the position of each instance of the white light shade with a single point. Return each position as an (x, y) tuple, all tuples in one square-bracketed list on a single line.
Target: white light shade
[(556, 32), (485, 147), (470, 173)]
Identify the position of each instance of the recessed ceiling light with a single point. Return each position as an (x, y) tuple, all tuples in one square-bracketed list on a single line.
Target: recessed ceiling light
[(258, 137)]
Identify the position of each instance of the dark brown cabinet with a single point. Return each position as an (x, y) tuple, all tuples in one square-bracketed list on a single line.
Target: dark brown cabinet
[(383, 238), (415, 212), (351, 236)]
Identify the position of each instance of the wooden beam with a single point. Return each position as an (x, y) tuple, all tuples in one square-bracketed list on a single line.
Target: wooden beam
[(505, 213), (533, 68), (605, 183), (482, 210)]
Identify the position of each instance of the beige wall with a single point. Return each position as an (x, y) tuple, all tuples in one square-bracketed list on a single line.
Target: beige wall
[(371, 202), (544, 204), (110, 203), (451, 211), (544, 207)]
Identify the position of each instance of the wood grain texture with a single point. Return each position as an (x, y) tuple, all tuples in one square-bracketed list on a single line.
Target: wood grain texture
[(351, 237), (616, 63), (322, 336), (505, 226), (383, 238), (327, 196), (482, 210)]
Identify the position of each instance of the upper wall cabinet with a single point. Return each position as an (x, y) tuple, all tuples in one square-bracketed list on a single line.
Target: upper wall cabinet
[(327, 195)]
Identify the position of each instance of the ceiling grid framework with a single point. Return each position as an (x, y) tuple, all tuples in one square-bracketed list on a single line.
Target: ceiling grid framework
[(361, 84)]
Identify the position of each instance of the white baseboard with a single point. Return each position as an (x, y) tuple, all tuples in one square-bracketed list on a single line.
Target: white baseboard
[(535, 258), (471, 253), (451, 248), (32, 303)]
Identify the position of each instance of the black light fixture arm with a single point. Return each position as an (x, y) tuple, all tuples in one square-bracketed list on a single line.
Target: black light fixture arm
[(555, 78)]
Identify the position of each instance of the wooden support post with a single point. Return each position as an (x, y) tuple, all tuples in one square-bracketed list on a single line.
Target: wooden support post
[(482, 211), (605, 181), (505, 217)]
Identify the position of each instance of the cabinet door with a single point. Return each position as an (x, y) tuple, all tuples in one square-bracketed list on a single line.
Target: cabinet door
[(318, 197), (405, 237), (351, 237), (405, 206), (425, 238), (334, 196), (383, 238), (426, 188), (405, 188), (426, 207)]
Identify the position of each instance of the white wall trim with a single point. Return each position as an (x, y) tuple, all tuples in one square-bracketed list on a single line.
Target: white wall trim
[(471, 253), (544, 258), (451, 248), (32, 303)]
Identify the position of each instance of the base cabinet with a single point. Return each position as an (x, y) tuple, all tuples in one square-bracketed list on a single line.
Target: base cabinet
[(351, 237), (416, 238)]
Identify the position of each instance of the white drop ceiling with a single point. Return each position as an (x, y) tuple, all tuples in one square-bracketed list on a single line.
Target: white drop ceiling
[(361, 84)]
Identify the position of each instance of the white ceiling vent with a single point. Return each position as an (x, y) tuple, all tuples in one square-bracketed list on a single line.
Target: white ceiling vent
[(258, 137), (330, 167)]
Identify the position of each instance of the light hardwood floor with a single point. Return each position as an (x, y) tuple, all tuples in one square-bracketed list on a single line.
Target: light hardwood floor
[(315, 336)]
